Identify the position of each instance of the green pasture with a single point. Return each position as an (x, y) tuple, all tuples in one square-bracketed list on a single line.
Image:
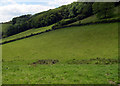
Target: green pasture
[(27, 33), (79, 43)]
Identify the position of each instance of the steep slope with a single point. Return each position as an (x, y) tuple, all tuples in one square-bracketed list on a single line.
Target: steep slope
[(74, 42), (65, 45), (27, 33)]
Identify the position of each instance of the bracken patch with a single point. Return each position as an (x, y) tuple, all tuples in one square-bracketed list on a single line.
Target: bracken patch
[(46, 62)]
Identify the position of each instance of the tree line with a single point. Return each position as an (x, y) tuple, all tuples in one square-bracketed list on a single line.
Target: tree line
[(75, 11)]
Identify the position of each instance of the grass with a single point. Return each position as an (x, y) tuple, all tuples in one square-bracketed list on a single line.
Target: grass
[(86, 20), (75, 42), (89, 19), (59, 74), (27, 33), (83, 42)]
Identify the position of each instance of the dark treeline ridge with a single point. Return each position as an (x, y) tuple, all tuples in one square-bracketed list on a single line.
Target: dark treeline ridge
[(74, 12)]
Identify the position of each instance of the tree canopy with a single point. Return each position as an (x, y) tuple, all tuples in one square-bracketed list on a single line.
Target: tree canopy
[(77, 10), (103, 10)]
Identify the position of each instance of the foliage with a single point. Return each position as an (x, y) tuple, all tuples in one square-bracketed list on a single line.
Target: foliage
[(20, 19), (65, 22), (49, 17), (75, 10), (103, 10), (5, 27)]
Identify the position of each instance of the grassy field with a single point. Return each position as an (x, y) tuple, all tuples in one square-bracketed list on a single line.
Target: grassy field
[(86, 20), (27, 33), (60, 74), (65, 45)]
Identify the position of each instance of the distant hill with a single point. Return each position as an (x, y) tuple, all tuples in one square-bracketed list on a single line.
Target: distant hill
[(72, 12)]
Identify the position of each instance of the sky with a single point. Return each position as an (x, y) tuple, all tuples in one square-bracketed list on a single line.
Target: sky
[(13, 8)]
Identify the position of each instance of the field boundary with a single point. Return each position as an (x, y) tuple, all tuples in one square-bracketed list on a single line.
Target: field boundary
[(56, 29), (112, 20)]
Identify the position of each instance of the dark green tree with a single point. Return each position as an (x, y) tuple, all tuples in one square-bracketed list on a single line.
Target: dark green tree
[(103, 9)]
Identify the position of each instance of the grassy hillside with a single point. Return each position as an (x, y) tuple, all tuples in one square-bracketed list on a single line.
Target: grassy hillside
[(27, 33), (86, 20), (65, 45), (84, 41), (73, 55)]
